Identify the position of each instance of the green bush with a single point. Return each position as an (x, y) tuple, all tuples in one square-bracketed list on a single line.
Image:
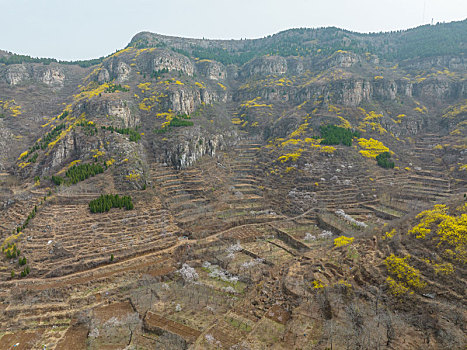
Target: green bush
[(11, 251), (177, 121), (107, 201), (57, 180), (159, 73), (63, 115), (88, 129), (81, 172), (384, 160), (33, 158), (335, 135), (51, 135), (25, 271), (116, 87), (133, 133)]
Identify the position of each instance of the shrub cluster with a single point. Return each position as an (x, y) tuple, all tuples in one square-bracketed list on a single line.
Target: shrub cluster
[(25, 271), (335, 135), (11, 251), (157, 73), (33, 158), (31, 215), (88, 128), (116, 87), (57, 180), (134, 134), (384, 160), (51, 135), (177, 121), (107, 201), (81, 172)]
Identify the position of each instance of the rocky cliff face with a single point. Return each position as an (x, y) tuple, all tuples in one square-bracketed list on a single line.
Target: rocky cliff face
[(6, 137), (191, 145), (351, 92), (120, 67), (341, 59), (114, 69), (444, 61), (263, 66), (211, 69), (112, 112), (51, 75), (187, 100)]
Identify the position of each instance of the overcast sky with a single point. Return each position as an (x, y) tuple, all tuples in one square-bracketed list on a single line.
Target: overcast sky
[(82, 29)]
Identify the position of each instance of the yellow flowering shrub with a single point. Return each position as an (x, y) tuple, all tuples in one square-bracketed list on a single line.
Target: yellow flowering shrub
[(144, 107), (317, 284), (22, 155), (91, 90), (97, 153), (254, 103), (371, 147), (327, 149), (421, 109), (118, 53), (11, 239), (291, 156), (333, 109), (345, 123), (133, 176), (10, 107), (389, 234), (144, 86), (23, 164), (396, 288), (405, 274), (291, 142), (453, 231), (301, 129), (456, 110), (342, 282), (371, 121), (444, 268), (343, 241), (427, 218)]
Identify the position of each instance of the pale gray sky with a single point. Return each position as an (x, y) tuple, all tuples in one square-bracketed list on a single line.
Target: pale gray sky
[(82, 29)]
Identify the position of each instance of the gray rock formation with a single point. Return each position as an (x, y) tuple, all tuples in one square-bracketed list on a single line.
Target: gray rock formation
[(51, 75), (191, 146), (211, 69), (265, 65)]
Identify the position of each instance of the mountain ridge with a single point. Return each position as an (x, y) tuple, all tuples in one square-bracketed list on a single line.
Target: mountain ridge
[(136, 39)]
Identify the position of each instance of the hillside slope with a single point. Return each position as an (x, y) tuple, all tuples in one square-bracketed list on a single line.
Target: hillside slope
[(275, 185)]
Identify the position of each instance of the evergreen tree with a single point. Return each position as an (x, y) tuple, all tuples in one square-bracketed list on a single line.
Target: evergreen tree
[(107, 201)]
